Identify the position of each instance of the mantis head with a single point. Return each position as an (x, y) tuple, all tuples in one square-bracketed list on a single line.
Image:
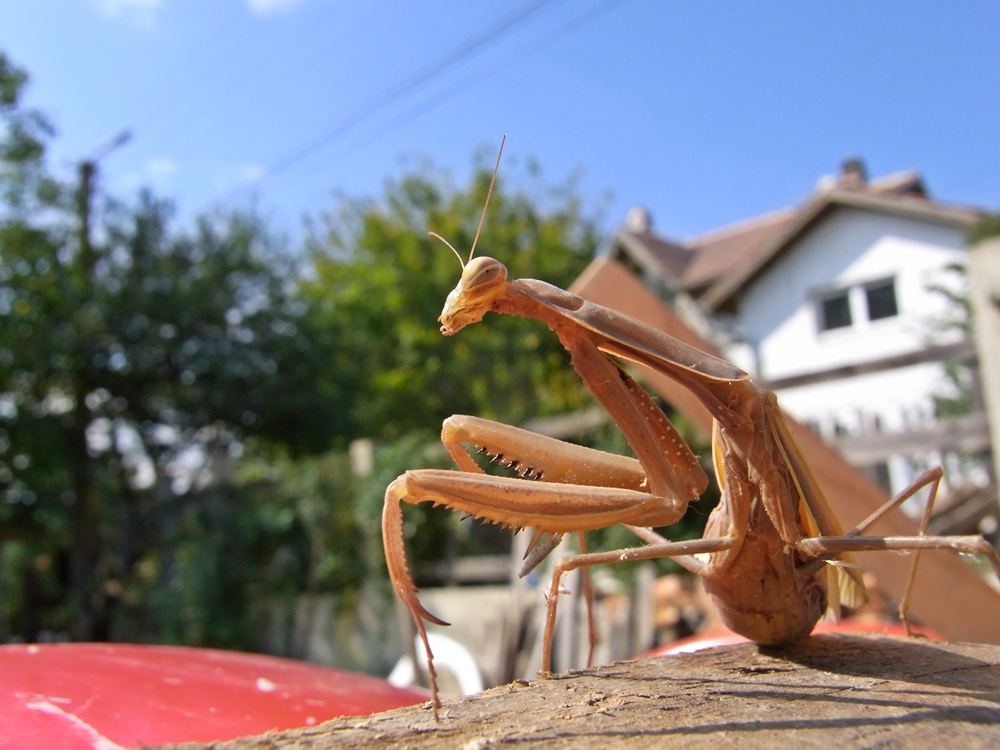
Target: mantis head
[(483, 281)]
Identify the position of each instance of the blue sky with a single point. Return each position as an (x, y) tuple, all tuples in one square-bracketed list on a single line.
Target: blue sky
[(705, 112)]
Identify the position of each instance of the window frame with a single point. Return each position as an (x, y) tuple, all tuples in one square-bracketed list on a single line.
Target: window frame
[(890, 282), (855, 297), (821, 310)]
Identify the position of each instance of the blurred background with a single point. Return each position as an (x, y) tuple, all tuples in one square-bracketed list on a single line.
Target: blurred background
[(218, 300)]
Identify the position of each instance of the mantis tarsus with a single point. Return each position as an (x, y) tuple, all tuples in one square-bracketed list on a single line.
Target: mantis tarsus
[(773, 556)]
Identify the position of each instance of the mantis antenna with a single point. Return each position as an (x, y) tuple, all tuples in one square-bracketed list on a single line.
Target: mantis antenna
[(486, 205), (438, 236), (482, 217)]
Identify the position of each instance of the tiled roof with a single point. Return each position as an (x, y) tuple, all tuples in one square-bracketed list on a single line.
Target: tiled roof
[(913, 206), (648, 248), (716, 252), (714, 265)]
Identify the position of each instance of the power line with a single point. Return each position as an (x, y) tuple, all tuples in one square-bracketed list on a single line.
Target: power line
[(158, 102), (230, 81), (490, 34), (436, 99), (483, 38)]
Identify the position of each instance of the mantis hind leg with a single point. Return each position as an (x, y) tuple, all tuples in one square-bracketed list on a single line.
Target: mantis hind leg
[(853, 541), (829, 547), (932, 479), (935, 484), (586, 560)]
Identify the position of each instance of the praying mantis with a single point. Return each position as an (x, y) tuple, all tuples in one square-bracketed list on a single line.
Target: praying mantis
[(773, 556)]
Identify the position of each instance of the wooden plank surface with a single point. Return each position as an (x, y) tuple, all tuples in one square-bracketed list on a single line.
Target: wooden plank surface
[(949, 596), (827, 692)]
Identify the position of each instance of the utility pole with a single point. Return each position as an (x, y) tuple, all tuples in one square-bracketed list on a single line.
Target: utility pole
[(84, 550), (88, 169), (81, 554), (83, 200)]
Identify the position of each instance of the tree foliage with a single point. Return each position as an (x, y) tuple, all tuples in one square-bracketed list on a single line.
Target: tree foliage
[(988, 226), (24, 183), (133, 363), (379, 284)]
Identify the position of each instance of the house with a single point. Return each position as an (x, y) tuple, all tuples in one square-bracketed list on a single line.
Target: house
[(833, 305)]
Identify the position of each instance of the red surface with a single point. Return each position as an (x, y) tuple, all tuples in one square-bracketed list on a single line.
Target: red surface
[(724, 637), (106, 697)]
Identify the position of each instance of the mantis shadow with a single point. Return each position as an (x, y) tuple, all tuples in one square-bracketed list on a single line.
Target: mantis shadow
[(913, 660)]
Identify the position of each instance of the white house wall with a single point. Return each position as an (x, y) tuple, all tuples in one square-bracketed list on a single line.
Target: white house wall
[(778, 313), (779, 317), (901, 398)]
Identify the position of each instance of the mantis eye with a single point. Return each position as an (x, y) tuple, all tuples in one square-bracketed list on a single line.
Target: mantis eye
[(483, 270)]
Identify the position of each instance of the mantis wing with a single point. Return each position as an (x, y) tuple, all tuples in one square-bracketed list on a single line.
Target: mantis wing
[(815, 513)]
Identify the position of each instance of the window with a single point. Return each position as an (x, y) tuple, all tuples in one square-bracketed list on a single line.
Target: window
[(836, 312), (857, 305), (881, 299)]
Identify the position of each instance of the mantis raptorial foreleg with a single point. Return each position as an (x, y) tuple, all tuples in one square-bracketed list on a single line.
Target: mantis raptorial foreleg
[(564, 488), (537, 457)]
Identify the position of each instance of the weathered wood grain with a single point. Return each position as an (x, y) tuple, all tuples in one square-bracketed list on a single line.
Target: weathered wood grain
[(828, 692)]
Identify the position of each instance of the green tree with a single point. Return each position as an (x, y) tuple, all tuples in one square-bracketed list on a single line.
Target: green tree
[(24, 183), (988, 226), (377, 287), (131, 367), (380, 282)]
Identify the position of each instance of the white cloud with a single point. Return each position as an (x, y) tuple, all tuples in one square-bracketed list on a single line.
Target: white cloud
[(155, 171), (251, 173), (272, 7), (139, 12), (159, 168)]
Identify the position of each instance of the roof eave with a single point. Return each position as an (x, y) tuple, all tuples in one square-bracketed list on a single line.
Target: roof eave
[(642, 255), (721, 291)]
